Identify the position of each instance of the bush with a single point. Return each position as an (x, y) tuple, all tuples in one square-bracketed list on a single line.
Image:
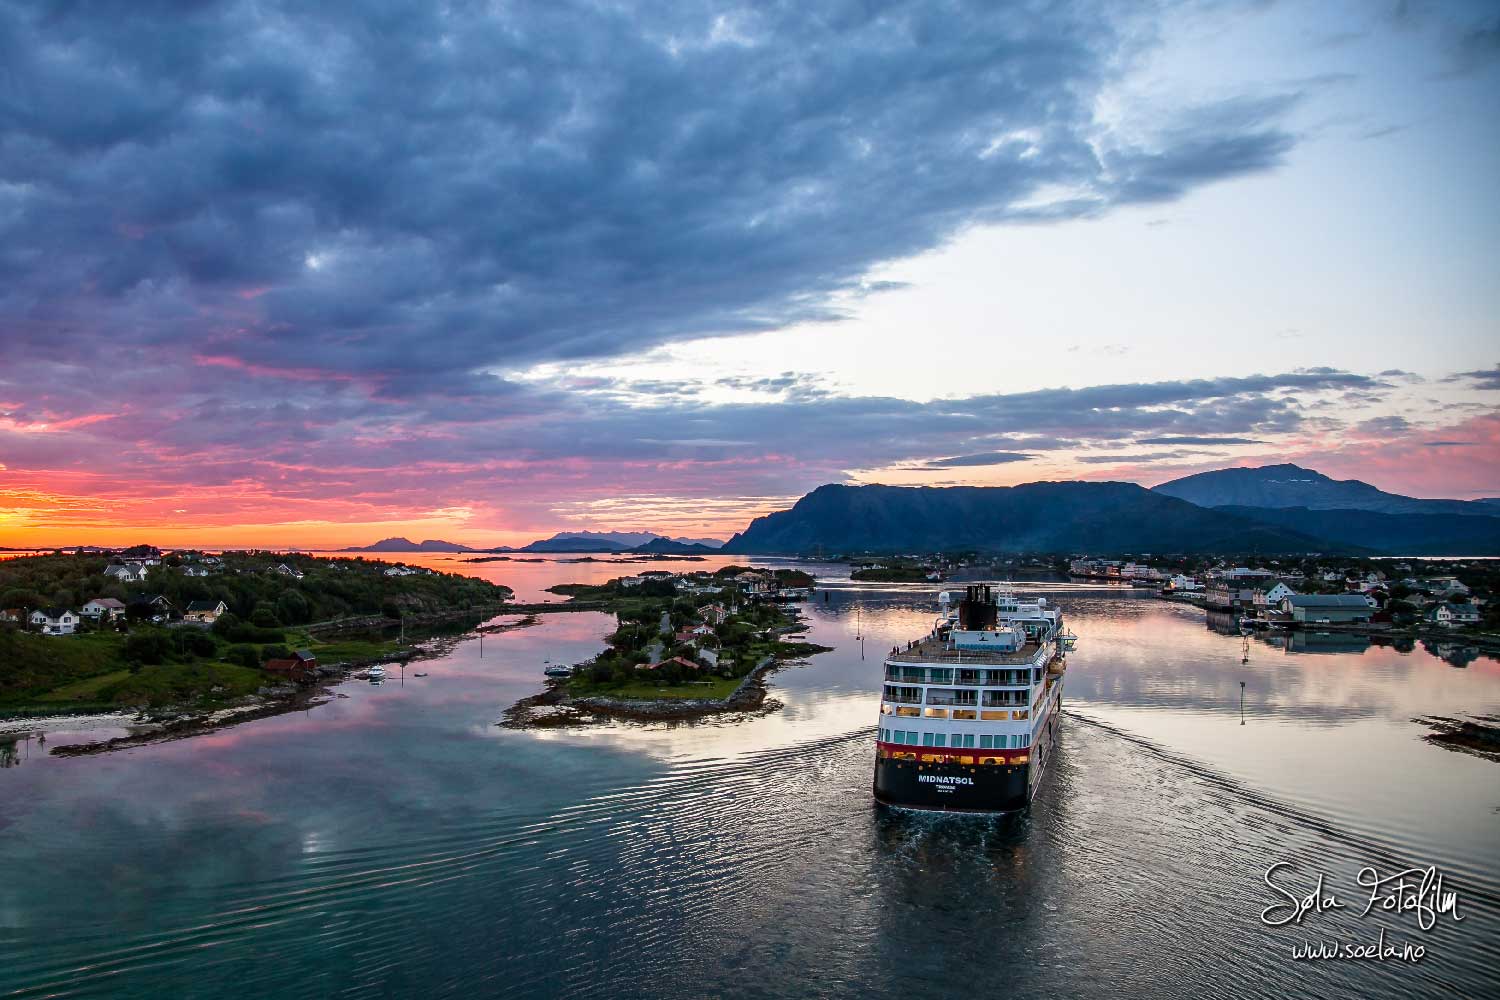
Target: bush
[(148, 646), (243, 654), (274, 652), (264, 616), (249, 633), (195, 643), (292, 608)]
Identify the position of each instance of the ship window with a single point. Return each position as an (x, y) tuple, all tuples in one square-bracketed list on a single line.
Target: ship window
[(966, 760), (927, 739), (964, 713), (985, 743), (940, 675), (937, 713), (994, 716), (1021, 714), (968, 739), (940, 739), (908, 710)]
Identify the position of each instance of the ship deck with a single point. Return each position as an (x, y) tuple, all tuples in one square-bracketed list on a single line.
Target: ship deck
[(930, 650)]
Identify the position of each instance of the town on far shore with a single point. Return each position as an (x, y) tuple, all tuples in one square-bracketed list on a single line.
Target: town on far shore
[(1371, 594), (1286, 593)]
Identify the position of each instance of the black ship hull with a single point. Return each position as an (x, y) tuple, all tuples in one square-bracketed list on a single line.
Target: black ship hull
[(953, 786)]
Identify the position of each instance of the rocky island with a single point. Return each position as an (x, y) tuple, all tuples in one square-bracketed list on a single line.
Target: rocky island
[(684, 646)]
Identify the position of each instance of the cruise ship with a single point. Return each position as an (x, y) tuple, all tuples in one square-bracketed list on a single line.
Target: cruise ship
[(969, 712)]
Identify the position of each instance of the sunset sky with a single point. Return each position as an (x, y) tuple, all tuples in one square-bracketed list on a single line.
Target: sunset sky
[(289, 274)]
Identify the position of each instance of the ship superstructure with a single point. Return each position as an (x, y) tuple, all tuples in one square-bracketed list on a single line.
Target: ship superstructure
[(969, 712)]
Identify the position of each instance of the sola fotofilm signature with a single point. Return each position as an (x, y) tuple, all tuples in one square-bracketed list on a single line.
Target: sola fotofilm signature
[(1417, 892)]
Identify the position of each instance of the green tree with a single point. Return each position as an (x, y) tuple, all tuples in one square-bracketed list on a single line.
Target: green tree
[(264, 616), (29, 600), (148, 646), (292, 608), (243, 654)]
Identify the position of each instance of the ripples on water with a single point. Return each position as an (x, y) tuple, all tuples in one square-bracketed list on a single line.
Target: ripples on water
[(403, 846)]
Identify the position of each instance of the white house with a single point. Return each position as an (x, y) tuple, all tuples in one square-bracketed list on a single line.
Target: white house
[(285, 570), (755, 583), (55, 621), (1454, 614), (1265, 600), (204, 612), (126, 572), (400, 571), (106, 608)]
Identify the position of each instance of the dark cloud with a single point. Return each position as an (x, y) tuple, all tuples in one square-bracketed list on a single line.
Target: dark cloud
[(1484, 378), (1475, 46), (1384, 425), (1196, 439), (982, 459), (417, 191), (1138, 459)]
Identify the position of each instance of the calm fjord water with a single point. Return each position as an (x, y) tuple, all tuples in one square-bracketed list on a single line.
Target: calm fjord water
[(394, 841)]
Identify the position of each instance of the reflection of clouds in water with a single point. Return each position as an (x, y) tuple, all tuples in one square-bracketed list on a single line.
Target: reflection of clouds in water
[(398, 832)]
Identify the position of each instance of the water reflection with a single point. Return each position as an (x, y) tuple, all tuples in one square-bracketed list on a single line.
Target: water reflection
[(396, 841)]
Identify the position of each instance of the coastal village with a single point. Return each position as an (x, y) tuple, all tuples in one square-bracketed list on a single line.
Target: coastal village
[(1276, 594), (95, 629), (674, 628), (139, 627)]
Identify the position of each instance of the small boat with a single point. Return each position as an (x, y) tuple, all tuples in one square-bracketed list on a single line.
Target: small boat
[(377, 673), (420, 675), (558, 670)]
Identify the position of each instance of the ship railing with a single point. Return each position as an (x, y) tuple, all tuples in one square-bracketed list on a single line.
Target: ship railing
[(935, 698), (949, 677), (1028, 654)]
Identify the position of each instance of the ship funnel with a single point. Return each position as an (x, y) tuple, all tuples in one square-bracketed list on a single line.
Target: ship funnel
[(977, 612)]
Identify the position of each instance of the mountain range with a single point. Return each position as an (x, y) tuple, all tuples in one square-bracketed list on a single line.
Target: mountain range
[(1293, 486), (407, 545), (1034, 517), (1276, 508), (1281, 508), (646, 542)]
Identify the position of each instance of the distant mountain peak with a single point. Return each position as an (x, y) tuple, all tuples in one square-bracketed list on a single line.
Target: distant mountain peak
[(1287, 485), (400, 544)]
